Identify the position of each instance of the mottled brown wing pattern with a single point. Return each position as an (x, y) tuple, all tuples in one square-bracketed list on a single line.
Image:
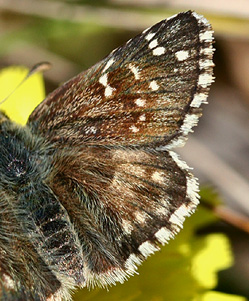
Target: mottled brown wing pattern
[(145, 92), (122, 203)]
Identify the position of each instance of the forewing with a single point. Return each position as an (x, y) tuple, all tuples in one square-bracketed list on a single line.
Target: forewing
[(122, 203), (147, 92)]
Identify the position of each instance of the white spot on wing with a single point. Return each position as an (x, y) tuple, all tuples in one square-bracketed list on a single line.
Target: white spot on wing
[(140, 216), (198, 99), (189, 121), (131, 263), (153, 44), (158, 51), (193, 189), (134, 70), (108, 91), (205, 79), (108, 64), (149, 36), (127, 226), (103, 80), (142, 117), (206, 36), (158, 177), (163, 235), (199, 18), (182, 55), (134, 129), (147, 248), (153, 85), (140, 102), (178, 142), (207, 51), (179, 215), (206, 63)]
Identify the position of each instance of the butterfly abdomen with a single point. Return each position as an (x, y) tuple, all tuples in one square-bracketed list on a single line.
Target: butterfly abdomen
[(30, 208)]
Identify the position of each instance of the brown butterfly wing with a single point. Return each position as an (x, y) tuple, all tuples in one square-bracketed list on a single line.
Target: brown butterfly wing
[(147, 92)]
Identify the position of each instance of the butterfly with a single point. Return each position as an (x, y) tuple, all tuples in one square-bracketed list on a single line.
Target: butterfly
[(91, 186)]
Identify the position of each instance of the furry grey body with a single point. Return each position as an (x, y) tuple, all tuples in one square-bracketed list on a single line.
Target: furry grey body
[(33, 223)]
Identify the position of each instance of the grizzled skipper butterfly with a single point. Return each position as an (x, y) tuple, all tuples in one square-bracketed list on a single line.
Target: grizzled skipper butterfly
[(91, 185)]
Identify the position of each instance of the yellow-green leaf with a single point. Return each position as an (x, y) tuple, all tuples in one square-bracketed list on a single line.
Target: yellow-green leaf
[(216, 296), (25, 98), (209, 260)]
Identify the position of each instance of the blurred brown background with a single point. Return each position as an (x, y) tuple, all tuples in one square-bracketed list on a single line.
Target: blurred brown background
[(73, 35)]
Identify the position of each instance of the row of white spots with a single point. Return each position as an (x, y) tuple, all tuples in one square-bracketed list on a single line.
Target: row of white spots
[(108, 89), (163, 234), (158, 50), (147, 248), (177, 218), (206, 78)]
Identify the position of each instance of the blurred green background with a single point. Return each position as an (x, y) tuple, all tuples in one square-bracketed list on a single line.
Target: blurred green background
[(73, 35)]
